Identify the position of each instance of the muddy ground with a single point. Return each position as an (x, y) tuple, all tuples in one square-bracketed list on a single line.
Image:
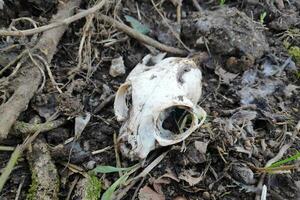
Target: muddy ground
[(251, 83)]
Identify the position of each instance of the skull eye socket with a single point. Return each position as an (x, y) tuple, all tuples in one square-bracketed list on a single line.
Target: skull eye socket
[(174, 121)]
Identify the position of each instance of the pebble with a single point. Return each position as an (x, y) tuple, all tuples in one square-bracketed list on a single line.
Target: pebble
[(91, 164), (206, 195), (117, 67)]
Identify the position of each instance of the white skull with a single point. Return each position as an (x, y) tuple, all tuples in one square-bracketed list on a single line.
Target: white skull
[(155, 91)]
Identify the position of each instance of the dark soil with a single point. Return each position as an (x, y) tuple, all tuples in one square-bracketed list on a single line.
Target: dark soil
[(250, 64)]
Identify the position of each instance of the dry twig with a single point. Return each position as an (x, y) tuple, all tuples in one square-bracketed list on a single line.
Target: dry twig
[(197, 5), (27, 128), (19, 189), (118, 160), (64, 21), (85, 41), (130, 183), (10, 165), (278, 156), (29, 76), (166, 22), (243, 107), (104, 103), (142, 38), (18, 151)]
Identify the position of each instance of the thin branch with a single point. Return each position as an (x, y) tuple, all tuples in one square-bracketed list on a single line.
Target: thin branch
[(243, 107), (104, 103), (142, 38), (197, 5), (29, 76), (28, 128), (63, 22), (10, 165), (169, 26), (16, 154), (280, 154)]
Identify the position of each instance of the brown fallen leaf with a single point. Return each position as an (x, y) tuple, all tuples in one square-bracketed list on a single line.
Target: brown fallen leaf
[(190, 177), (226, 76), (158, 184), (146, 193), (196, 152), (165, 179)]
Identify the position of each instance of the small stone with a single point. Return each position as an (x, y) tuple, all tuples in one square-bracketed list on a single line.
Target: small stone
[(200, 41), (243, 173), (91, 164), (117, 67), (206, 195)]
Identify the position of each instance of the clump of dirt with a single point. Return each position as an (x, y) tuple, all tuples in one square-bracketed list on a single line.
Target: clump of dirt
[(228, 31)]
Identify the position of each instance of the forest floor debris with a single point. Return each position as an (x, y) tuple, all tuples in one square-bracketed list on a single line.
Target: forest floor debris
[(247, 148)]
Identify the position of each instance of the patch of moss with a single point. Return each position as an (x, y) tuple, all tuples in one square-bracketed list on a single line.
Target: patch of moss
[(93, 188), (295, 53), (31, 195), (298, 75)]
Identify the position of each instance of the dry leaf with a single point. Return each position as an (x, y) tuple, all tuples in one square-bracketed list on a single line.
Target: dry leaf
[(163, 180), (80, 124), (146, 193), (189, 177), (226, 76), (201, 146)]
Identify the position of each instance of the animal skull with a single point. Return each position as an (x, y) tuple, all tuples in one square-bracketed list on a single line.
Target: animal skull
[(155, 91)]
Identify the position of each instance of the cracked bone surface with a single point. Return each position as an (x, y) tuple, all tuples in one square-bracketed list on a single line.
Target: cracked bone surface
[(157, 104)]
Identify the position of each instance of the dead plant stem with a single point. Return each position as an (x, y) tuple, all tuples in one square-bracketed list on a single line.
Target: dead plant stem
[(142, 38), (53, 25), (169, 26), (29, 76), (10, 165), (118, 161), (6, 148), (16, 154)]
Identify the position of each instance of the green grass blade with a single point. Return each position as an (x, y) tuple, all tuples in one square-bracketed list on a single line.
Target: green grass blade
[(262, 17), (109, 169), (136, 25), (289, 159), (108, 194)]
